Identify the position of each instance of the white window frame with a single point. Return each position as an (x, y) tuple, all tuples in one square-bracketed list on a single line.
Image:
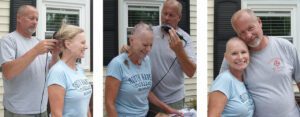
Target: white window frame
[(123, 16), (84, 16), (291, 6)]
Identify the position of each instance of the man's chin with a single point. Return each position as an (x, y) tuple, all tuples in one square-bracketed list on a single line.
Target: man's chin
[(31, 31), (255, 43)]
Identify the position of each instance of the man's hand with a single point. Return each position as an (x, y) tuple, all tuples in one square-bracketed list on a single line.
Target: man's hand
[(174, 41), (57, 48), (124, 48), (45, 46)]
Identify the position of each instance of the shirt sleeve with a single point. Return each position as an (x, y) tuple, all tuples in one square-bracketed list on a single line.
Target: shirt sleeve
[(189, 48), (222, 84), (57, 76), (7, 50), (114, 69), (296, 63)]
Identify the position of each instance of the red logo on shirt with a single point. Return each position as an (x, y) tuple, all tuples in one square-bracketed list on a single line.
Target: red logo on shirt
[(276, 63)]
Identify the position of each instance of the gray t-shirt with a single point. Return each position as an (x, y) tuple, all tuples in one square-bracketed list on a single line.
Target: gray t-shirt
[(171, 88), (269, 79), (23, 94)]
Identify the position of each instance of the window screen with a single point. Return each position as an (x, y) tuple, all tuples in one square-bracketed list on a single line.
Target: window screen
[(276, 23), (55, 17), (147, 14)]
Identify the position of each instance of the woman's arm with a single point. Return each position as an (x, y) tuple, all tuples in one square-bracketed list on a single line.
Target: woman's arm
[(216, 103), (89, 112), (154, 100), (56, 98), (111, 91)]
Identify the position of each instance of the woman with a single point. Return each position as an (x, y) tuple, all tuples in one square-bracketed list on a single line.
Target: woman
[(68, 88), (129, 79), (228, 96)]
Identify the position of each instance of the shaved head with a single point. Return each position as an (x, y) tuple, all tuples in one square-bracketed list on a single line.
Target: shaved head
[(232, 41), (140, 29)]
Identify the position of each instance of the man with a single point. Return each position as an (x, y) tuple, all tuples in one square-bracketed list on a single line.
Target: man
[(274, 64), (24, 64), (171, 58)]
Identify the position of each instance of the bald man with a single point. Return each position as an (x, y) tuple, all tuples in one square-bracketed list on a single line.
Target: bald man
[(273, 68), (24, 63)]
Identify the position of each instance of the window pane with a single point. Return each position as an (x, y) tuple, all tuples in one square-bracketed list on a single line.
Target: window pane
[(147, 14), (276, 26), (276, 23), (55, 16)]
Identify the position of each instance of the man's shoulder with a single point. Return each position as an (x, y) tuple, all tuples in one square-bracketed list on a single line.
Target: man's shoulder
[(280, 40), (9, 36)]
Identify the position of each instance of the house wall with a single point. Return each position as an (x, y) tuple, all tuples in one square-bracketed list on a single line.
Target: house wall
[(4, 27), (210, 41)]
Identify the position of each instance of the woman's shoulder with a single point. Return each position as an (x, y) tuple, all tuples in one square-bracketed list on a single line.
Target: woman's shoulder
[(225, 76)]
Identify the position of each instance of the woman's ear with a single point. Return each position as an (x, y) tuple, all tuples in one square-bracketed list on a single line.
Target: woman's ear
[(67, 44)]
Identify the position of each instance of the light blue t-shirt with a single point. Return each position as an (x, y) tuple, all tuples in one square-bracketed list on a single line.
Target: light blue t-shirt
[(77, 89), (136, 81), (239, 101)]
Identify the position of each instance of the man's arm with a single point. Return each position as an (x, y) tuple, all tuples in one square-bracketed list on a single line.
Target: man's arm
[(55, 53), (13, 68), (187, 66)]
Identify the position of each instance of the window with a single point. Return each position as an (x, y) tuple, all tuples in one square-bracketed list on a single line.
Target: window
[(56, 16), (54, 12), (276, 23), (147, 14), (132, 12)]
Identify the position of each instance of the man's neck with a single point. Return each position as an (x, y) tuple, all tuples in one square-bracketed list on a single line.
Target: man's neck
[(24, 34), (263, 44)]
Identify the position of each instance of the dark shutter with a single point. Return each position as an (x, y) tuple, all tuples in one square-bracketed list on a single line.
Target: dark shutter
[(91, 37), (223, 30), (110, 34), (185, 19), (14, 5)]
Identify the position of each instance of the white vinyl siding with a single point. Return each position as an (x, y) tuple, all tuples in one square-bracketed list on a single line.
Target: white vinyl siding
[(4, 28)]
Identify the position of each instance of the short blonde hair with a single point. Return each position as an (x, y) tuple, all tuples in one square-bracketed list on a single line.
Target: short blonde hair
[(174, 2), (67, 32)]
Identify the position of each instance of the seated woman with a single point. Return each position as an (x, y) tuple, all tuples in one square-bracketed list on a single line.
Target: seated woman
[(129, 80), (68, 88), (228, 95)]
